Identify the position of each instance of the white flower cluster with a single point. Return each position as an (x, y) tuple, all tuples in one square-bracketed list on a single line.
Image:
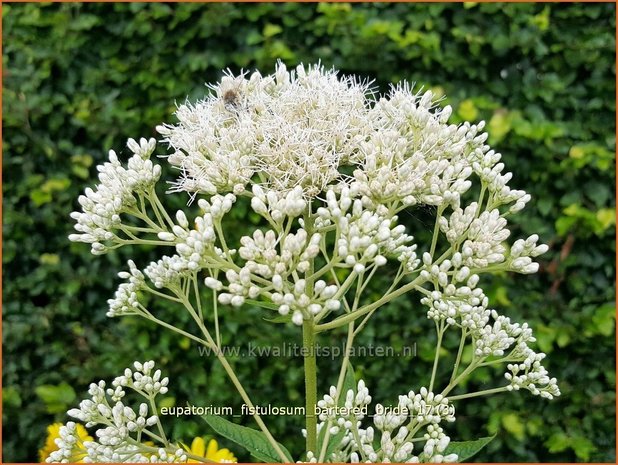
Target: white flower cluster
[(414, 155), (275, 206), (483, 236), (101, 208), (364, 236), (493, 335), (119, 425), (290, 128), (531, 375), (329, 169), (353, 407), (194, 245), (397, 427), (143, 379), (67, 442), (125, 301)]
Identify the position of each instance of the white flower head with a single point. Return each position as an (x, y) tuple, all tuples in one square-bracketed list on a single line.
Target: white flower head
[(290, 128)]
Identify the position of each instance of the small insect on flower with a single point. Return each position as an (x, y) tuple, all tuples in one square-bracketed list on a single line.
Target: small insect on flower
[(231, 99)]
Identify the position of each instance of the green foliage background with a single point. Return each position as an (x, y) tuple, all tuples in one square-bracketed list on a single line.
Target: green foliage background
[(81, 78)]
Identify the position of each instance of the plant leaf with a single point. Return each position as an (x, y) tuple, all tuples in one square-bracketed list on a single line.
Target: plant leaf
[(467, 449), (279, 319), (253, 440)]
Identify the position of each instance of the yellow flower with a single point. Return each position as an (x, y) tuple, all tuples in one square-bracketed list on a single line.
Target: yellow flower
[(198, 447), (53, 433)]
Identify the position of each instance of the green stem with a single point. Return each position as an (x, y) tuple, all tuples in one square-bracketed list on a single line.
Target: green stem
[(149, 316), (157, 204), (349, 317), (462, 343), (215, 307), (469, 369), (198, 298), (209, 342), (340, 380), (437, 357), (311, 393), (230, 372), (486, 392), (436, 230), (153, 409), (245, 397)]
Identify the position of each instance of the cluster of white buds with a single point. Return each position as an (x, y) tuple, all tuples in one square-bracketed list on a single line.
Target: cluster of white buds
[(531, 375), (364, 236), (484, 240), (295, 252), (490, 172), (458, 223), (456, 298), (434, 452), (143, 379), (70, 449), (101, 208), (397, 427), (276, 206), (129, 453), (494, 339), (218, 205), (194, 246), (304, 306), (354, 406), (427, 407), (522, 250), (119, 425), (125, 301)]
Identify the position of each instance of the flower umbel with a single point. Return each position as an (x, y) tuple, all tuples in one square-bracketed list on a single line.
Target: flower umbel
[(331, 170)]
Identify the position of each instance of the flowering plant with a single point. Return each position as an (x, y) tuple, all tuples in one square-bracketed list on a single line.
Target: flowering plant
[(329, 166)]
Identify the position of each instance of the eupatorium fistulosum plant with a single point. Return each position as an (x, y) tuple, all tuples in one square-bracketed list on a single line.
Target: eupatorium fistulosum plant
[(330, 166)]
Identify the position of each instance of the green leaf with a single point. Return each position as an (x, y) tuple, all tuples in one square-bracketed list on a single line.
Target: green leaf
[(279, 319), (513, 425), (262, 304), (11, 397), (603, 319), (271, 30), (499, 125), (467, 110), (56, 398), (467, 449), (254, 441)]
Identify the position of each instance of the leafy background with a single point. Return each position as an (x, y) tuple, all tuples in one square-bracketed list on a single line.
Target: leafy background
[(81, 78)]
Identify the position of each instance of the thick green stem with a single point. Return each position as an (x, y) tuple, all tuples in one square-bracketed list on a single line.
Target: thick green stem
[(311, 389)]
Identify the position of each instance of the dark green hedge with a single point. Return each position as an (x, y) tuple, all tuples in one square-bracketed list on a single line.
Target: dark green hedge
[(81, 78)]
